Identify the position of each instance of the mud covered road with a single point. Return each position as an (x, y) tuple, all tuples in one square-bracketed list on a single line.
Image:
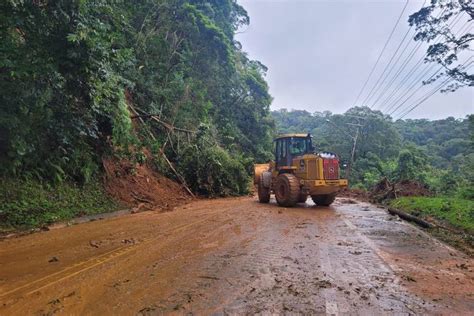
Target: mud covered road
[(234, 256)]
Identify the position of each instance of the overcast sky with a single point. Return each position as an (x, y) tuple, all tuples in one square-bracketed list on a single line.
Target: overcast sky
[(319, 54)]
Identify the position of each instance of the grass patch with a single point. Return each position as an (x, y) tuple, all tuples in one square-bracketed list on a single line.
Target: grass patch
[(27, 204), (455, 211)]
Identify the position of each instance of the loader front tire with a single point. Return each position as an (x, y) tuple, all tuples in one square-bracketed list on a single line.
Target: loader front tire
[(287, 190), (263, 193), (324, 199)]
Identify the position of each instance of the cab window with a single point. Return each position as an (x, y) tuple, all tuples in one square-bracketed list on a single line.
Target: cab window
[(298, 146), (283, 149), (280, 151)]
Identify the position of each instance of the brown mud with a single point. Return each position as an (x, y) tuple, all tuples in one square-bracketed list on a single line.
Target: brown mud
[(237, 256), (140, 186), (385, 190), (357, 194)]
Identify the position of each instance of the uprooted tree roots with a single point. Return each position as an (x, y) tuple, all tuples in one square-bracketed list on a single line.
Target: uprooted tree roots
[(385, 190)]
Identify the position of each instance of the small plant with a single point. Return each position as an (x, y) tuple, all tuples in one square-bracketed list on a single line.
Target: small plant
[(445, 207)]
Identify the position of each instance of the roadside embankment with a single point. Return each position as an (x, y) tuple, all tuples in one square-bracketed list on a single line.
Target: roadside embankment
[(30, 204), (452, 218), (26, 204)]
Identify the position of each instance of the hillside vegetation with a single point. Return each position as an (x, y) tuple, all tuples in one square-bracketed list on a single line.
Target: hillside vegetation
[(438, 153), (149, 80), (458, 212)]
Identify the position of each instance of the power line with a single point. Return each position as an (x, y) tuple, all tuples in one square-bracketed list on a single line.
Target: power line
[(416, 90), (416, 66), (369, 95), (381, 53), (402, 67), (393, 65), (411, 72), (412, 85), (428, 95), (417, 80), (404, 64), (404, 79)]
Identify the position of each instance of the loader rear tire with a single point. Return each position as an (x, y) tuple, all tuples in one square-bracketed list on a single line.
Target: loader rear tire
[(324, 199), (287, 190), (263, 193)]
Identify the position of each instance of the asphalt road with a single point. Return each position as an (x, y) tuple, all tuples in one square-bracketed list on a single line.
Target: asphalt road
[(235, 256)]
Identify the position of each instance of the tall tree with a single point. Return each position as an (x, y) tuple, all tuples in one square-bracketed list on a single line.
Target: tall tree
[(73, 72), (451, 49)]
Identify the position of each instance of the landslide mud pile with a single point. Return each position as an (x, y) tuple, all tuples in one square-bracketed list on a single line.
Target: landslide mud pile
[(141, 186), (357, 194), (385, 190)]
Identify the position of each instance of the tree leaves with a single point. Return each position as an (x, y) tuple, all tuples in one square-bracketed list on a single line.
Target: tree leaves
[(435, 24), (66, 65)]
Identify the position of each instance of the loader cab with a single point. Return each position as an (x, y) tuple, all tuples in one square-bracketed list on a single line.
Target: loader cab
[(290, 146)]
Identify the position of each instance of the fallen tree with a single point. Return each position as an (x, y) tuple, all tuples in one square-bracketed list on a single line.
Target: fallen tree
[(409, 217)]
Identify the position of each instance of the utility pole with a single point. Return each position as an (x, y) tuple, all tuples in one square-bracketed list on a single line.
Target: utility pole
[(354, 144)]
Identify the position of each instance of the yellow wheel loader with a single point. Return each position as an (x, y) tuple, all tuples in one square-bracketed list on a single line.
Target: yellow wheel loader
[(298, 171)]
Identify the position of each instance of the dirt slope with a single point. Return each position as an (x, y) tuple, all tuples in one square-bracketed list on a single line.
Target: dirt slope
[(236, 256), (135, 184)]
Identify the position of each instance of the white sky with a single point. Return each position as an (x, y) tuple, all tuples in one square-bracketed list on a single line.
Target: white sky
[(319, 54)]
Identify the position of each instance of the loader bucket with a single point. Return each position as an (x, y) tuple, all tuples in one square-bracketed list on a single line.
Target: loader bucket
[(258, 169)]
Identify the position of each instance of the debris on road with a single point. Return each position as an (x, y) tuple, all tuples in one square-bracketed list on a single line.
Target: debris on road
[(347, 201), (209, 277), (408, 278), (94, 243), (362, 263), (128, 241), (324, 284), (410, 218), (385, 190), (357, 194)]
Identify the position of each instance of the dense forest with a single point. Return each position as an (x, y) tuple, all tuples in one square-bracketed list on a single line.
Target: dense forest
[(438, 153), (72, 70), (158, 81)]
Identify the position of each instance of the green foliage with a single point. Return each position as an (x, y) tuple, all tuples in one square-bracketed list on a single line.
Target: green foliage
[(60, 65), (438, 153), (457, 212), (466, 189), (435, 21), (212, 171), (411, 164), (29, 203), (441, 139), (69, 70)]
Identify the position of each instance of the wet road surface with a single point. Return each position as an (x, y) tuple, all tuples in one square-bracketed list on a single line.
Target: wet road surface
[(235, 256)]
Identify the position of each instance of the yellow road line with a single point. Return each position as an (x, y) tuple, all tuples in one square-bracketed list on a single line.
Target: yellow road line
[(118, 251)]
